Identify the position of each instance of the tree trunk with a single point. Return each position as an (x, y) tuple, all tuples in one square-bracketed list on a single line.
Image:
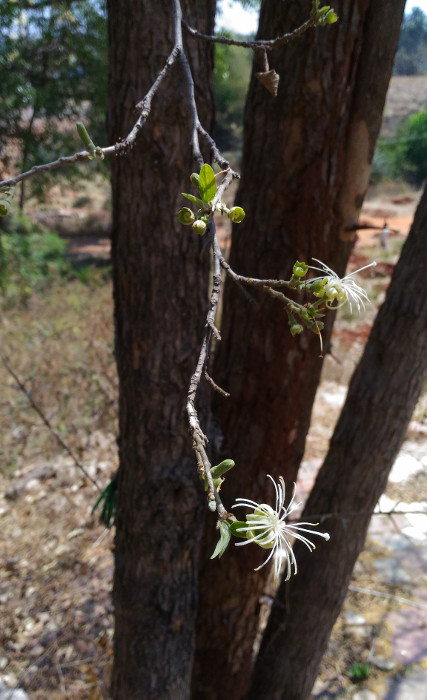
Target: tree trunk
[(382, 396), (306, 164), (160, 291)]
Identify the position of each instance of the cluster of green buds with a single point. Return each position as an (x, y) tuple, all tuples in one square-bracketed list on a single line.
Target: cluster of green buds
[(323, 15), (6, 194), (94, 151), (205, 183), (308, 315)]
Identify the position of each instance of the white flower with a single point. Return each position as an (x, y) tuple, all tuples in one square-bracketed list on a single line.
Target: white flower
[(343, 290), (267, 528)]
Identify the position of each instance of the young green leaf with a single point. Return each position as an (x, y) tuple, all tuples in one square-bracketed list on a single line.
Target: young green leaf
[(87, 141), (207, 183), (224, 539), (194, 199)]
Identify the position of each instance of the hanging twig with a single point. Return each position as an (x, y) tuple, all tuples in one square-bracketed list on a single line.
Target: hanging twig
[(47, 423)]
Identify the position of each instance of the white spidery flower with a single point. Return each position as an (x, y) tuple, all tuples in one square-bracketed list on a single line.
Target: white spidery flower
[(266, 527), (333, 288)]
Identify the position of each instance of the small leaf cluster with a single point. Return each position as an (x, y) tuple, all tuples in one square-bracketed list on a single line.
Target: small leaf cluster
[(323, 15), (205, 183), (308, 315)]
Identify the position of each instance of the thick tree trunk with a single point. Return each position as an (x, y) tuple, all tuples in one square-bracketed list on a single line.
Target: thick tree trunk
[(306, 164), (382, 396), (160, 293)]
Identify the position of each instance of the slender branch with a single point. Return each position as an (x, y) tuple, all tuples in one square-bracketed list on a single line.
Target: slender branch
[(253, 281), (267, 44), (216, 155), (199, 439), (47, 423), (216, 387)]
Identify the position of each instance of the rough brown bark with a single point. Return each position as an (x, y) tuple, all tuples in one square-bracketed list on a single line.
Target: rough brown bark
[(306, 163), (382, 396), (160, 292)]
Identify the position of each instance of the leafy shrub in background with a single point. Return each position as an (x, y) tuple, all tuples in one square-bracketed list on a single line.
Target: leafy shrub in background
[(53, 59), (411, 148), (232, 73), (405, 156), (31, 258)]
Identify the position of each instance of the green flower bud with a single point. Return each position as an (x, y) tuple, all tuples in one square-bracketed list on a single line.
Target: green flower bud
[(296, 328), (222, 468), (236, 214), (186, 216), (300, 269), (199, 227), (194, 177), (318, 287), (212, 506)]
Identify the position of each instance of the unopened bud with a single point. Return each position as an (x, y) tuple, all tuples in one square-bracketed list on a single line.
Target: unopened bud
[(186, 216), (199, 227), (236, 214)]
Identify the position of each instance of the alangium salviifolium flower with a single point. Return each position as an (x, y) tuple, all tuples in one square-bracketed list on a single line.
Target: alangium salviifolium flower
[(205, 183), (337, 291), (268, 528)]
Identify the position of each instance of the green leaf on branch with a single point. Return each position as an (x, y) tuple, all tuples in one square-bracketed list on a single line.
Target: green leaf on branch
[(207, 183), (87, 141), (194, 199), (326, 15), (224, 539)]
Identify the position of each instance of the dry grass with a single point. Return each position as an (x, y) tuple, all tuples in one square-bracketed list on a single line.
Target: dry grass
[(61, 348)]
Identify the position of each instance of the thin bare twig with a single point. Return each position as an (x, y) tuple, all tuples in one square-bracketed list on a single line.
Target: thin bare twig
[(215, 386), (267, 44), (199, 439), (47, 423), (388, 596)]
